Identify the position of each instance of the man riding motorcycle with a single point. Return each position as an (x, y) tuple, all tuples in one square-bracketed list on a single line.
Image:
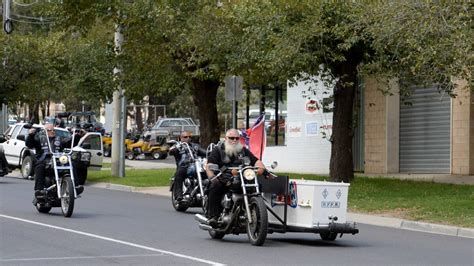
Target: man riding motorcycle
[(183, 163), (228, 154), (40, 143)]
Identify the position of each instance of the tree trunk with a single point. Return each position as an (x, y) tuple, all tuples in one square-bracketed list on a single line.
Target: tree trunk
[(204, 97), (34, 118), (341, 164), (139, 119), (152, 118)]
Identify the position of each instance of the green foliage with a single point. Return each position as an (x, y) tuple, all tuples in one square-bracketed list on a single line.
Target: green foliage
[(134, 177), (422, 42)]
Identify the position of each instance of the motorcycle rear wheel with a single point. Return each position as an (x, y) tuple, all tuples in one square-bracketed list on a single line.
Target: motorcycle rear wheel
[(67, 196), (257, 230)]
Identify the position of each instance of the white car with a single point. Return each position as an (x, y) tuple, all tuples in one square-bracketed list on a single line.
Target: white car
[(20, 156)]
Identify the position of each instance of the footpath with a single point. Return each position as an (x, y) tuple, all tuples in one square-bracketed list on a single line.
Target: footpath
[(354, 217)]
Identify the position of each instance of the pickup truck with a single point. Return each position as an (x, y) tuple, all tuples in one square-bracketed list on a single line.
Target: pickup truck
[(20, 156), (174, 126)]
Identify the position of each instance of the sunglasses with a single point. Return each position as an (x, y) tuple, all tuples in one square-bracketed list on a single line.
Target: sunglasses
[(49, 130), (233, 138), (185, 137)]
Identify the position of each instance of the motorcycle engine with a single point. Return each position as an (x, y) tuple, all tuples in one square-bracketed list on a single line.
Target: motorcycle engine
[(187, 182), (226, 202)]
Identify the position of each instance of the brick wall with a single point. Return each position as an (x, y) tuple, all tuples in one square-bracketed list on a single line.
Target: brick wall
[(375, 128), (462, 159)]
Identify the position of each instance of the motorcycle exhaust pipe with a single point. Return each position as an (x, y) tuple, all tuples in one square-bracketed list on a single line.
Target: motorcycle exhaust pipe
[(200, 218), (205, 227)]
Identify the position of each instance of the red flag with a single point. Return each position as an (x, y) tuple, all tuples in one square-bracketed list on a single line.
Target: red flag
[(258, 137)]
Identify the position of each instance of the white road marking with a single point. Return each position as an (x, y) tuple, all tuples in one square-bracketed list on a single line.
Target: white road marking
[(114, 240), (82, 257)]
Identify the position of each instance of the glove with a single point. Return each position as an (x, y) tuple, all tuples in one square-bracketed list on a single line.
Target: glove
[(225, 179)]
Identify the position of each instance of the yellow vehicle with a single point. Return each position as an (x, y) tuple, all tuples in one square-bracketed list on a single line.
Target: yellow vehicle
[(107, 142), (151, 144)]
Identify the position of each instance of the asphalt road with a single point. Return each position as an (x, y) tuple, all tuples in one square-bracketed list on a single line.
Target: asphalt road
[(114, 227)]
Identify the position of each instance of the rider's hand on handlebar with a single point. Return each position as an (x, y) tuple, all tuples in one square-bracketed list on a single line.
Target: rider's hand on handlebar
[(32, 131), (260, 170)]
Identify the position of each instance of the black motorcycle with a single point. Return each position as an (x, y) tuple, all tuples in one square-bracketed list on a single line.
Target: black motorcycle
[(60, 180), (244, 210), (194, 183)]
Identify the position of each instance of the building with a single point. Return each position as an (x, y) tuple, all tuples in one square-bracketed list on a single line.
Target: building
[(434, 133)]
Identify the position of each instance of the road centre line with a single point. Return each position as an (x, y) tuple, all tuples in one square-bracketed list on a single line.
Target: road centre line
[(114, 240)]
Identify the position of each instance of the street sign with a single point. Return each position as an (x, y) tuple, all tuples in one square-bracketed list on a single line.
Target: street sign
[(233, 88)]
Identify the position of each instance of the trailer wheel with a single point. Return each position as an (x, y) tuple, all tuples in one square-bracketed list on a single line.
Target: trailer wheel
[(328, 236)]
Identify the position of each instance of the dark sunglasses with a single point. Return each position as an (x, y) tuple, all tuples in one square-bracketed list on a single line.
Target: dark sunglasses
[(233, 138), (185, 137), (49, 129)]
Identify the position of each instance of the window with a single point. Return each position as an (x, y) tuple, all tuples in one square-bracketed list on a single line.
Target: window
[(24, 132), (62, 133), (15, 131), (92, 141)]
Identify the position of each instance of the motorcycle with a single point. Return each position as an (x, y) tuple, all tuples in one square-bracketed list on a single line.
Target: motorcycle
[(60, 188), (244, 210), (194, 183)]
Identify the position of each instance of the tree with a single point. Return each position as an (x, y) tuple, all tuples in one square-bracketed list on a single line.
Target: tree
[(411, 40)]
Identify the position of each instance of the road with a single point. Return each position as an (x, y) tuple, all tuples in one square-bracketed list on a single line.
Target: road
[(115, 227)]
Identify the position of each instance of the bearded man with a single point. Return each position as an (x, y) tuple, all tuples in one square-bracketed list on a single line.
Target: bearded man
[(231, 153)]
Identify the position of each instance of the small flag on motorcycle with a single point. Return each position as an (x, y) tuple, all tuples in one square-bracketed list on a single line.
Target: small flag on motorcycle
[(255, 138)]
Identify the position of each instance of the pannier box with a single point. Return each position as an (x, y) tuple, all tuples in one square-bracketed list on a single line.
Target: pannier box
[(310, 202)]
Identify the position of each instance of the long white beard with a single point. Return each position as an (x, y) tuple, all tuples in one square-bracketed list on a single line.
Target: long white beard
[(233, 149)]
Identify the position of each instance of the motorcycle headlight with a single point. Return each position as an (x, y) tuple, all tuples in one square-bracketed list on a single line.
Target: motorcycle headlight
[(249, 174), (63, 159)]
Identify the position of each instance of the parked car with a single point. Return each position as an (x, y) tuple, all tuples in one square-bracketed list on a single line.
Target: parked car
[(174, 126), (19, 156)]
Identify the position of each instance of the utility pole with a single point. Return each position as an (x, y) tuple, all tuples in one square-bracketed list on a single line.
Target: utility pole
[(8, 28), (119, 117), (7, 24)]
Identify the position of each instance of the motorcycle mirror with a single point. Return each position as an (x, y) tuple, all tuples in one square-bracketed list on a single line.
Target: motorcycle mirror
[(274, 165)]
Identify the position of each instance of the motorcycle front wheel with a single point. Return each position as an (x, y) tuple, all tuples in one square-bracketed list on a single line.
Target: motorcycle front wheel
[(257, 230), (67, 196)]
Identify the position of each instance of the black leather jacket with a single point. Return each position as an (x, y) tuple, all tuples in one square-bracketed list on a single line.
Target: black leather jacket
[(39, 142), (181, 154)]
